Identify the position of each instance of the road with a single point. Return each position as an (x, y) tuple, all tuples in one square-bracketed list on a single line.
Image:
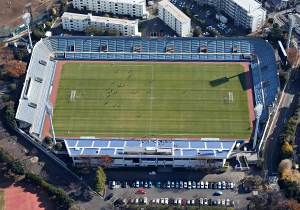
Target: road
[(286, 110)]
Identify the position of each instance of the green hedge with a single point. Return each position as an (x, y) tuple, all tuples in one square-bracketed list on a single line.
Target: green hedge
[(62, 198)]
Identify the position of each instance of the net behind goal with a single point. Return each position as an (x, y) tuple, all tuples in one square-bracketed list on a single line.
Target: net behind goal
[(230, 97)]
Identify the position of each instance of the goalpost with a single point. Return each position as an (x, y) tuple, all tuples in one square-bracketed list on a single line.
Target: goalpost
[(72, 95), (230, 97)]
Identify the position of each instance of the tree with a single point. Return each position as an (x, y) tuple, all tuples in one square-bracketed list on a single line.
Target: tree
[(15, 68), (58, 146), (38, 34), (100, 180), (287, 149), (106, 161), (48, 140), (6, 54), (9, 115), (12, 88), (270, 20), (285, 164), (197, 32), (275, 25), (21, 54), (17, 167), (293, 57)]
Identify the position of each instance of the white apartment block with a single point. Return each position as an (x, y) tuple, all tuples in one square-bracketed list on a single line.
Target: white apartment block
[(174, 18), (78, 22), (134, 8), (248, 14)]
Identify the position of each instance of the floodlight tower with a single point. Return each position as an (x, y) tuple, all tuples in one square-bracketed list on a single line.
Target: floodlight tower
[(292, 25), (257, 113), (26, 21), (49, 109), (28, 7)]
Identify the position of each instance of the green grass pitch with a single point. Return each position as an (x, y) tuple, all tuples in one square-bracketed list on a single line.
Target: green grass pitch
[(172, 100)]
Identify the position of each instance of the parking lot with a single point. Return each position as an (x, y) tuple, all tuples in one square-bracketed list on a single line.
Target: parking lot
[(207, 14), (178, 188)]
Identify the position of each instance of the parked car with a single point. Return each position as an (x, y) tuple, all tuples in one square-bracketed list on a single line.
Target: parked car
[(227, 202), (157, 200), (152, 173), (219, 202), (188, 202), (176, 184), (179, 201), (193, 184), (168, 184), (189, 184), (137, 201), (162, 201), (231, 185), (109, 197), (172, 184), (149, 184), (202, 184), (175, 201), (205, 201), (145, 184), (112, 184), (210, 185), (206, 185), (137, 184), (223, 185), (201, 201), (145, 200), (166, 201), (181, 184), (214, 202), (140, 191), (185, 184), (219, 185), (198, 185), (124, 184), (193, 202), (218, 193), (158, 184), (141, 183), (223, 202), (183, 202)]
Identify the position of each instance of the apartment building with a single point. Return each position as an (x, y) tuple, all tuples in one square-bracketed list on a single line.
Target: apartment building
[(174, 18), (78, 22), (134, 8), (247, 14)]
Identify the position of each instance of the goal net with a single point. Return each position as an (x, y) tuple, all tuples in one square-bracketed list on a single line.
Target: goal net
[(230, 97), (72, 95)]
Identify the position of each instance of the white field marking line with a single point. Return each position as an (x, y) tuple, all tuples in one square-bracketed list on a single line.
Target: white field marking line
[(131, 133), (151, 103), (71, 119), (229, 103)]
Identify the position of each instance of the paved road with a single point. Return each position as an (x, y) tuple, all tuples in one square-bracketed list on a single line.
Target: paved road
[(286, 110)]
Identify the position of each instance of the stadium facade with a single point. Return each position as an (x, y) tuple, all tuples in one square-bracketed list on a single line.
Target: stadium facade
[(34, 104), (248, 14), (78, 22), (174, 18), (134, 8)]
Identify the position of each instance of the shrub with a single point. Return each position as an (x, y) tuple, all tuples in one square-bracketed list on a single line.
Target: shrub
[(17, 167)]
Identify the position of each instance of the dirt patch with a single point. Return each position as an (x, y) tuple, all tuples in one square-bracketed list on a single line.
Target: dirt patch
[(11, 11), (26, 197)]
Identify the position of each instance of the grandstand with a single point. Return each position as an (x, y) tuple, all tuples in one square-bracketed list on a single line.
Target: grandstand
[(34, 100)]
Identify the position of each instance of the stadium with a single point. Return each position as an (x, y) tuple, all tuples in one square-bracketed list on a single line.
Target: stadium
[(180, 102)]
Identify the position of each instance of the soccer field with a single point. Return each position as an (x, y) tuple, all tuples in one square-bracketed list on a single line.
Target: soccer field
[(173, 100)]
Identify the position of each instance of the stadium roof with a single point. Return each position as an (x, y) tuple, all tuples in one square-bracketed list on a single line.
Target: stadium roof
[(176, 148)]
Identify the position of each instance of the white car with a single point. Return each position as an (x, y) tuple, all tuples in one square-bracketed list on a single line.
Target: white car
[(201, 201), (179, 201), (223, 202), (205, 201), (188, 202), (219, 185), (227, 202), (137, 184), (175, 201), (162, 201), (189, 184), (206, 185), (223, 185), (152, 173), (202, 184), (157, 200), (136, 201), (184, 184), (219, 202), (231, 185), (192, 202), (145, 200), (166, 201)]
